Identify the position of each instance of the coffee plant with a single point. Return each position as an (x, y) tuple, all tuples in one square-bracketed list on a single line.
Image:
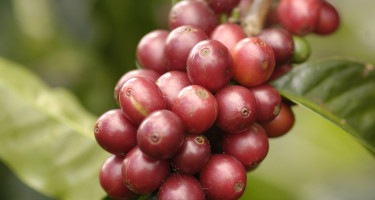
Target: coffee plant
[(209, 110)]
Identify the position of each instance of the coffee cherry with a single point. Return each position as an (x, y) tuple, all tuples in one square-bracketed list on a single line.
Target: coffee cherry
[(114, 132), (237, 108), (222, 6), (253, 61), (197, 107), (142, 174), (193, 155), (249, 147), (161, 134), (144, 73), (210, 65), (279, 71), (178, 45), (180, 186), (196, 13), (224, 177), (139, 97), (281, 42), (283, 122), (111, 180), (171, 83), (150, 50), (299, 16), (268, 102), (228, 34), (328, 20), (302, 49)]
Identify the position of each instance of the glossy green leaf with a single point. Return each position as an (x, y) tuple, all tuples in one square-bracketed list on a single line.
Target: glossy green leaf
[(340, 90), (315, 160), (46, 136)]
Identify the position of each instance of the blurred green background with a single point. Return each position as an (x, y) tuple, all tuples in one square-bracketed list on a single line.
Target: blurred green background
[(87, 45)]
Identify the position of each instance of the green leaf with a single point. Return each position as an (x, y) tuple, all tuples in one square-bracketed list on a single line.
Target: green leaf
[(340, 90), (315, 160), (46, 137)]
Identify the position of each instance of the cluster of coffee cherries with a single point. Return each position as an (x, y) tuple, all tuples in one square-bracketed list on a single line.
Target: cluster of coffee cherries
[(197, 115)]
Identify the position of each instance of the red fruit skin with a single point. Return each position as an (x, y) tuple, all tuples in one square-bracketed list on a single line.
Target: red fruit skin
[(237, 108), (299, 16), (224, 177), (144, 73), (328, 20), (249, 147), (222, 6), (171, 83), (253, 61), (114, 132), (178, 45), (161, 134), (197, 107), (139, 97), (142, 174), (268, 102), (279, 71), (210, 65), (181, 187), (282, 124), (281, 42), (193, 155), (111, 179), (228, 34), (149, 51), (196, 13)]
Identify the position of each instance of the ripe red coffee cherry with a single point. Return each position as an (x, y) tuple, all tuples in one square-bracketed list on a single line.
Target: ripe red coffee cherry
[(171, 83), (150, 50), (279, 71), (142, 174), (253, 61), (193, 155), (178, 45), (249, 147), (139, 97), (196, 13), (197, 107), (268, 102), (224, 177), (328, 20), (237, 108), (114, 132), (181, 187), (144, 73), (283, 122), (161, 134), (210, 65), (222, 6), (111, 180), (281, 42), (228, 34), (299, 16)]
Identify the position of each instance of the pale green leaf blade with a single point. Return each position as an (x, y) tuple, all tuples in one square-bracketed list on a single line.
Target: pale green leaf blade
[(46, 137)]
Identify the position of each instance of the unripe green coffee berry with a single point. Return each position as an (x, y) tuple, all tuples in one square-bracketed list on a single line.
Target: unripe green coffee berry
[(302, 49)]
